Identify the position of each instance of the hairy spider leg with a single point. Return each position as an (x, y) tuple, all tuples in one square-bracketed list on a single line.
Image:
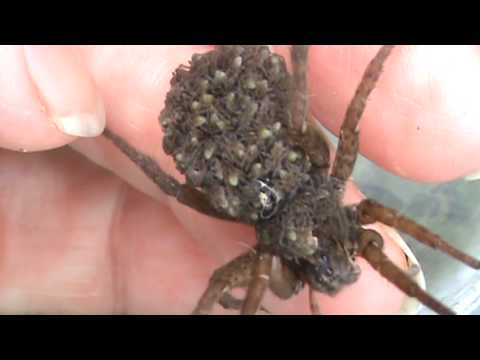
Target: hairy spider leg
[(371, 244), (184, 193), (270, 272), (243, 271), (258, 284), (370, 211), (236, 273), (348, 144), (314, 306), (305, 130), (229, 302), (300, 103)]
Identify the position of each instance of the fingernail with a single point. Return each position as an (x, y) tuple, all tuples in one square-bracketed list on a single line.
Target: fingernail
[(66, 89), (83, 125), (473, 176), (411, 306)]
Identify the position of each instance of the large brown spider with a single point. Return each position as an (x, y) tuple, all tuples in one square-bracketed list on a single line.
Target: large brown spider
[(238, 126)]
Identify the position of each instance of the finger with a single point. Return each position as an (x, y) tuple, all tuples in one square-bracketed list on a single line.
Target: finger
[(134, 82), (86, 243), (54, 227), (46, 96), (421, 120)]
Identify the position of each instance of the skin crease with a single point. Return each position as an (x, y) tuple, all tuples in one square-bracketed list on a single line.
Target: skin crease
[(75, 238)]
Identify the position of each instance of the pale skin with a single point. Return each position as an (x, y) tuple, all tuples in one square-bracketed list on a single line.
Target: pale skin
[(75, 238)]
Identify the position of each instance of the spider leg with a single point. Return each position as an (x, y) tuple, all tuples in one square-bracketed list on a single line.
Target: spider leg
[(348, 144), (284, 283), (258, 285), (306, 132), (236, 273), (314, 306), (370, 211), (315, 144), (184, 193), (371, 244), (229, 302), (240, 272), (300, 106)]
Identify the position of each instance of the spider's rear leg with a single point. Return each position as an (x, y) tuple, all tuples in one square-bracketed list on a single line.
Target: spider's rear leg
[(347, 149), (185, 194), (370, 211), (371, 244)]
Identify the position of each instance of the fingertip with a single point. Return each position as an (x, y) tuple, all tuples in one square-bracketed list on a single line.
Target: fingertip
[(36, 118), (24, 121), (66, 89), (423, 104)]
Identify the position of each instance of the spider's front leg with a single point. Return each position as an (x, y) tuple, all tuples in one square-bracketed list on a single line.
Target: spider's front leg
[(368, 212), (184, 193)]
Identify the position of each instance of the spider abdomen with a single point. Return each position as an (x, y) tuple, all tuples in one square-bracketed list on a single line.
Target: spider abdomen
[(226, 122)]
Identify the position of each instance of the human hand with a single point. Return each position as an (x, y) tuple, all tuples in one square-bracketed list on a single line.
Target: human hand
[(76, 239)]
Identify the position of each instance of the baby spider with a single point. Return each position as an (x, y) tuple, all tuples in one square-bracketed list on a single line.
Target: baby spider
[(237, 124)]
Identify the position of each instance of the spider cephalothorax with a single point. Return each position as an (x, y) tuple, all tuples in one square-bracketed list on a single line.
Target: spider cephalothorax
[(314, 234), (237, 124)]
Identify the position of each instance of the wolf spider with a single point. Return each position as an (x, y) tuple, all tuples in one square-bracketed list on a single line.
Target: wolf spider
[(251, 154)]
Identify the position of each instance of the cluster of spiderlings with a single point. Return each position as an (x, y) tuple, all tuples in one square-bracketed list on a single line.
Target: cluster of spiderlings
[(298, 228), (226, 121)]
